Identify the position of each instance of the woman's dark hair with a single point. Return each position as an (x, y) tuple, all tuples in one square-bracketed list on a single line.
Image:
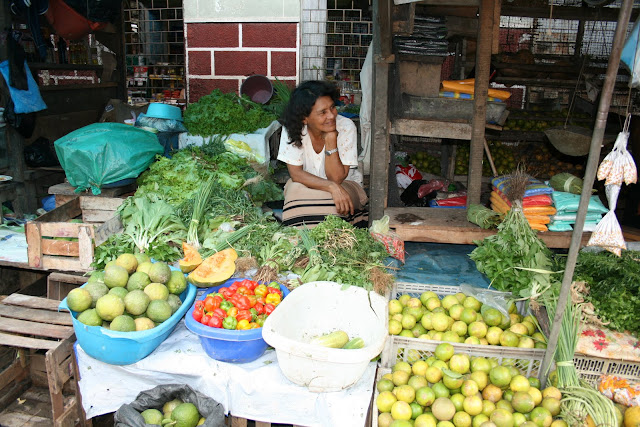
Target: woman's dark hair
[(299, 107)]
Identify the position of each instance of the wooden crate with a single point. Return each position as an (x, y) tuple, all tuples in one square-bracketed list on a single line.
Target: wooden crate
[(31, 324), (60, 284), (65, 192), (45, 251)]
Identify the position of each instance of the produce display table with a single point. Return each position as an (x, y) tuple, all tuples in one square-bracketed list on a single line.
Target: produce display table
[(257, 390)]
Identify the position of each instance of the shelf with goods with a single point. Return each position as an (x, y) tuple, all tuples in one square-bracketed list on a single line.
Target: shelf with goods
[(160, 82)]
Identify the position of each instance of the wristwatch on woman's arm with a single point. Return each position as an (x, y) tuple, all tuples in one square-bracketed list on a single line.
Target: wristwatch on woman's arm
[(330, 152)]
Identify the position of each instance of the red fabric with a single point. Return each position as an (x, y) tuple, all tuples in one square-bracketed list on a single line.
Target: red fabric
[(68, 23), (538, 200)]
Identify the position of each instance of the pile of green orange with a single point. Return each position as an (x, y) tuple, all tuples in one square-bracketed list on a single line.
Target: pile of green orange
[(461, 319), (456, 390), (130, 294)]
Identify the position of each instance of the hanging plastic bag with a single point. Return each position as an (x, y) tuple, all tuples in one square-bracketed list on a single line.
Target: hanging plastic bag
[(608, 234), (618, 166), (104, 153)]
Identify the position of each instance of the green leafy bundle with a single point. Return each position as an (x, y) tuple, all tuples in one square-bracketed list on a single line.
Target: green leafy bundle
[(614, 287), (349, 255), (515, 259), (176, 180), (225, 113)]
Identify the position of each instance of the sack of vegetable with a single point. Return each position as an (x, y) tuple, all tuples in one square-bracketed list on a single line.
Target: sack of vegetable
[(178, 403)]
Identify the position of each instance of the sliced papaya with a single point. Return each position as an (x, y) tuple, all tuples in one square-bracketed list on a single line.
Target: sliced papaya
[(214, 270), (191, 259)]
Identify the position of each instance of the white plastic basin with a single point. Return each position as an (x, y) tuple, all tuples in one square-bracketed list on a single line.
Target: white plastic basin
[(317, 308)]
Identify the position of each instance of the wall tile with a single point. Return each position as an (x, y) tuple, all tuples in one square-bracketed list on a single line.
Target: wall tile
[(212, 35), (199, 63), (269, 35), (240, 63), (283, 64)]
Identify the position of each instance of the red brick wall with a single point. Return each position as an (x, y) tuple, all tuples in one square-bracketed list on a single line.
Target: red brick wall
[(222, 55)]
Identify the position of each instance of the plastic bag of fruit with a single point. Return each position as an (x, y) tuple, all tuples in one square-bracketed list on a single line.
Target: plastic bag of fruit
[(170, 401), (620, 390)]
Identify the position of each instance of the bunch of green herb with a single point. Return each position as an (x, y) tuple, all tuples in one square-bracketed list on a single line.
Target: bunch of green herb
[(225, 113), (614, 287), (151, 226), (351, 255), (515, 259), (197, 217)]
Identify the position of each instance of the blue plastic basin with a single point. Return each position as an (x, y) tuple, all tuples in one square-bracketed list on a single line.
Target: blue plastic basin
[(125, 348), (228, 345)]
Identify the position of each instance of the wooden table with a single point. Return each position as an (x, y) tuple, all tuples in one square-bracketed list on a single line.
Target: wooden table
[(30, 324), (449, 225)]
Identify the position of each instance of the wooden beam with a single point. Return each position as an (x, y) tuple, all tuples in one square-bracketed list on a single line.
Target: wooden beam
[(483, 65), (380, 109)]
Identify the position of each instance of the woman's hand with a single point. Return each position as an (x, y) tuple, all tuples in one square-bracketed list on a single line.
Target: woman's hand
[(344, 205), (330, 140)]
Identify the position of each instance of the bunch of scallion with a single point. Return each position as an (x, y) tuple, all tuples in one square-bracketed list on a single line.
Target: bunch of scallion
[(579, 399), (199, 204)]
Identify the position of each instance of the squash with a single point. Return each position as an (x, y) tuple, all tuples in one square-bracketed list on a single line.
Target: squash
[(214, 270), (337, 339), (191, 259), (354, 343)]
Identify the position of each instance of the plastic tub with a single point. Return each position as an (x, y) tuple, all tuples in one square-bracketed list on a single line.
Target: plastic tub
[(318, 308), (159, 110), (229, 345), (258, 88), (125, 348)]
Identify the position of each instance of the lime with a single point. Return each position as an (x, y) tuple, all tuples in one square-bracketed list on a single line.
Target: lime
[(121, 292), (116, 276), (401, 411), (158, 310), (443, 409), (109, 307), (384, 385), (185, 415), (128, 262), (97, 290), (156, 291), (444, 351), (144, 323), (79, 299), (144, 267), (152, 416), (175, 302), (90, 317), (177, 283), (140, 257), (138, 280), (160, 273), (123, 323), (136, 302), (385, 401)]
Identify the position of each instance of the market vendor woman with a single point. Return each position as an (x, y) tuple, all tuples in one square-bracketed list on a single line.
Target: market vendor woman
[(320, 150)]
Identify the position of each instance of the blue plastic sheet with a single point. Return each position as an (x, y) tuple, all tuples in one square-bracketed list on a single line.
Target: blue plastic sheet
[(440, 264)]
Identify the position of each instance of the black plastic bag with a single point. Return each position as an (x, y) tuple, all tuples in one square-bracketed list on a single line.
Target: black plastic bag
[(129, 414), (25, 124), (40, 154), (410, 195)]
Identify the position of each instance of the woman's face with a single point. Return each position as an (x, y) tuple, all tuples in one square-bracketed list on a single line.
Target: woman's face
[(323, 115)]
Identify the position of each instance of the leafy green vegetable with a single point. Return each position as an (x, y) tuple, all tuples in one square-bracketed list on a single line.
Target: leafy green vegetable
[(225, 113), (614, 284), (515, 259)]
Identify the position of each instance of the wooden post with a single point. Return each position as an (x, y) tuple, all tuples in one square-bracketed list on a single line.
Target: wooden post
[(380, 112), (483, 64), (495, 43), (589, 176)]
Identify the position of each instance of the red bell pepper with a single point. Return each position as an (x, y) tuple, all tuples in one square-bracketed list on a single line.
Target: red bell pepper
[(232, 312), (242, 302), (252, 300), (244, 314), (259, 307), (226, 292), (198, 312), (215, 322), (271, 290), (234, 286), (268, 308), (205, 319), (211, 303), (243, 291), (219, 313)]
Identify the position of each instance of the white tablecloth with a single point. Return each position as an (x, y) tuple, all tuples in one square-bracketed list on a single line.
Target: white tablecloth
[(257, 390)]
